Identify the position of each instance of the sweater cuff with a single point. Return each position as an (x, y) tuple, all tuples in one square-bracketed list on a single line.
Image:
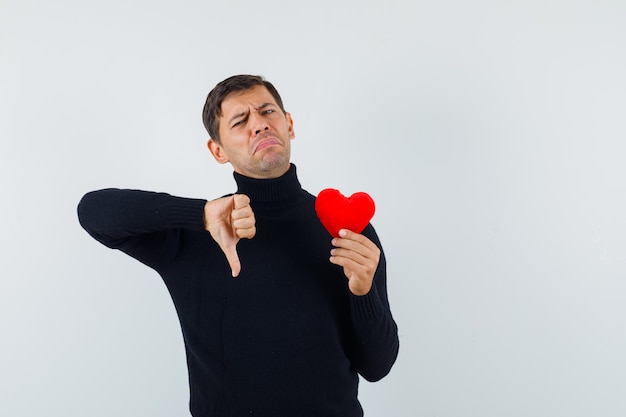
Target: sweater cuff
[(366, 307), (187, 213)]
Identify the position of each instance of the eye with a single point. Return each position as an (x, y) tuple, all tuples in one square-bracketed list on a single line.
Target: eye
[(268, 111), (238, 123)]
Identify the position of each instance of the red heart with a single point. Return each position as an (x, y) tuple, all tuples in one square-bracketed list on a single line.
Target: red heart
[(339, 212)]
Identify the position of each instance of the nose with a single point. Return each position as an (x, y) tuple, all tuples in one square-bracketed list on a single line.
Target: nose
[(257, 131), (258, 123)]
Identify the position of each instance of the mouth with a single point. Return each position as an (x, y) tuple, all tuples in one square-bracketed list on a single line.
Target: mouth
[(265, 143)]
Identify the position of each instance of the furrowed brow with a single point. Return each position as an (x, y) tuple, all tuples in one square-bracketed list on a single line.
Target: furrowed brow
[(264, 105), (237, 116)]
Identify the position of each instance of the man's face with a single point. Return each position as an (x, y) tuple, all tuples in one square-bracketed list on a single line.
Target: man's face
[(255, 135)]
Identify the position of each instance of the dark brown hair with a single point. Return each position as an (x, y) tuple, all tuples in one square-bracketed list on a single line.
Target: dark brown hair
[(237, 83)]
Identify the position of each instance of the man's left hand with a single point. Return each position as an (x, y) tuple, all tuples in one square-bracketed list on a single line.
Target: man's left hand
[(359, 258)]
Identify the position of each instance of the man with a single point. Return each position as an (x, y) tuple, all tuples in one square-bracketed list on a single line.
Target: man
[(278, 317)]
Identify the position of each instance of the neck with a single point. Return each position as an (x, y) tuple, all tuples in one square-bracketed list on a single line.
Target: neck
[(269, 174), (282, 189)]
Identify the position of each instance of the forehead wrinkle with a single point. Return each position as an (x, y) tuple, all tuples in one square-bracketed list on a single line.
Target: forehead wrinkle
[(238, 115), (256, 108)]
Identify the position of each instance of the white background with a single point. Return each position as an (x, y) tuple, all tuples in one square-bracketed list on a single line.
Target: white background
[(490, 133)]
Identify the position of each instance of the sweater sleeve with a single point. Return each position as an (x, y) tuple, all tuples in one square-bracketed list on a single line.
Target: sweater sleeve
[(377, 344), (143, 224)]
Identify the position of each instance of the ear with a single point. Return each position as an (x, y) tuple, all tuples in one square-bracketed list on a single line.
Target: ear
[(217, 151), (292, 134)]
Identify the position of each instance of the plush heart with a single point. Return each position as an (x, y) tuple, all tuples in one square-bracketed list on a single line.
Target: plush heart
[(337, 211)]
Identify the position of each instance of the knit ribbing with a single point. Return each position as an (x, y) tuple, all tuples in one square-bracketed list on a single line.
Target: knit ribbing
[(366, 306), (271, 192), (187, 213)]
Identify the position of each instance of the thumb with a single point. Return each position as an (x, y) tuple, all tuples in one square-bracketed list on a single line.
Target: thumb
[(233, 259)]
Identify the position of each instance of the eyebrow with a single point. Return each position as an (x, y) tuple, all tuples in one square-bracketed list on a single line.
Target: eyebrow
[(238, 115), (235, 117)]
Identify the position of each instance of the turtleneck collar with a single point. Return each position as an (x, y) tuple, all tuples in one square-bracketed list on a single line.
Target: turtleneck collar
[(283, 189)]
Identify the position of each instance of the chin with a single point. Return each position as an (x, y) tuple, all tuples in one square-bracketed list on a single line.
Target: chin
[(274, 161), (274, 166)]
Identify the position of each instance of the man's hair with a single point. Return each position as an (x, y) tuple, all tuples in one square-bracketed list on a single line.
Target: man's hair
[(237, 83)]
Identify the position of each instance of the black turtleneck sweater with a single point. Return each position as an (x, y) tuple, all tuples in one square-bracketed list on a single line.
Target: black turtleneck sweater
[(286, 337)]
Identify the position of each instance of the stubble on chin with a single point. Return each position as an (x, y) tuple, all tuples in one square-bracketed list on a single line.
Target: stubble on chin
[(274, 164)]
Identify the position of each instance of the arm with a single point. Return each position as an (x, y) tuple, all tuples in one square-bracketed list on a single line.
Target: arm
[(140, 223), (145, 224), (376, 344)]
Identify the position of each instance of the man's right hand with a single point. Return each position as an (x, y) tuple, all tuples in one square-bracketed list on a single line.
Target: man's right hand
[(229, 219)]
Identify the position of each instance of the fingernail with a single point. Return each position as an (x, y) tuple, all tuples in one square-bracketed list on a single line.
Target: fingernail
[(343, 233)]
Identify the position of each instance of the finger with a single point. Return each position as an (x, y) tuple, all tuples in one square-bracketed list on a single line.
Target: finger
[(242, 213), (356, 250), (355, 256), (243, 217), (244, 223), (350, 265), (233, 260), (350, 236), (360, 265), (349, 245), (245, 227), (240, 201), (246, 233)]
